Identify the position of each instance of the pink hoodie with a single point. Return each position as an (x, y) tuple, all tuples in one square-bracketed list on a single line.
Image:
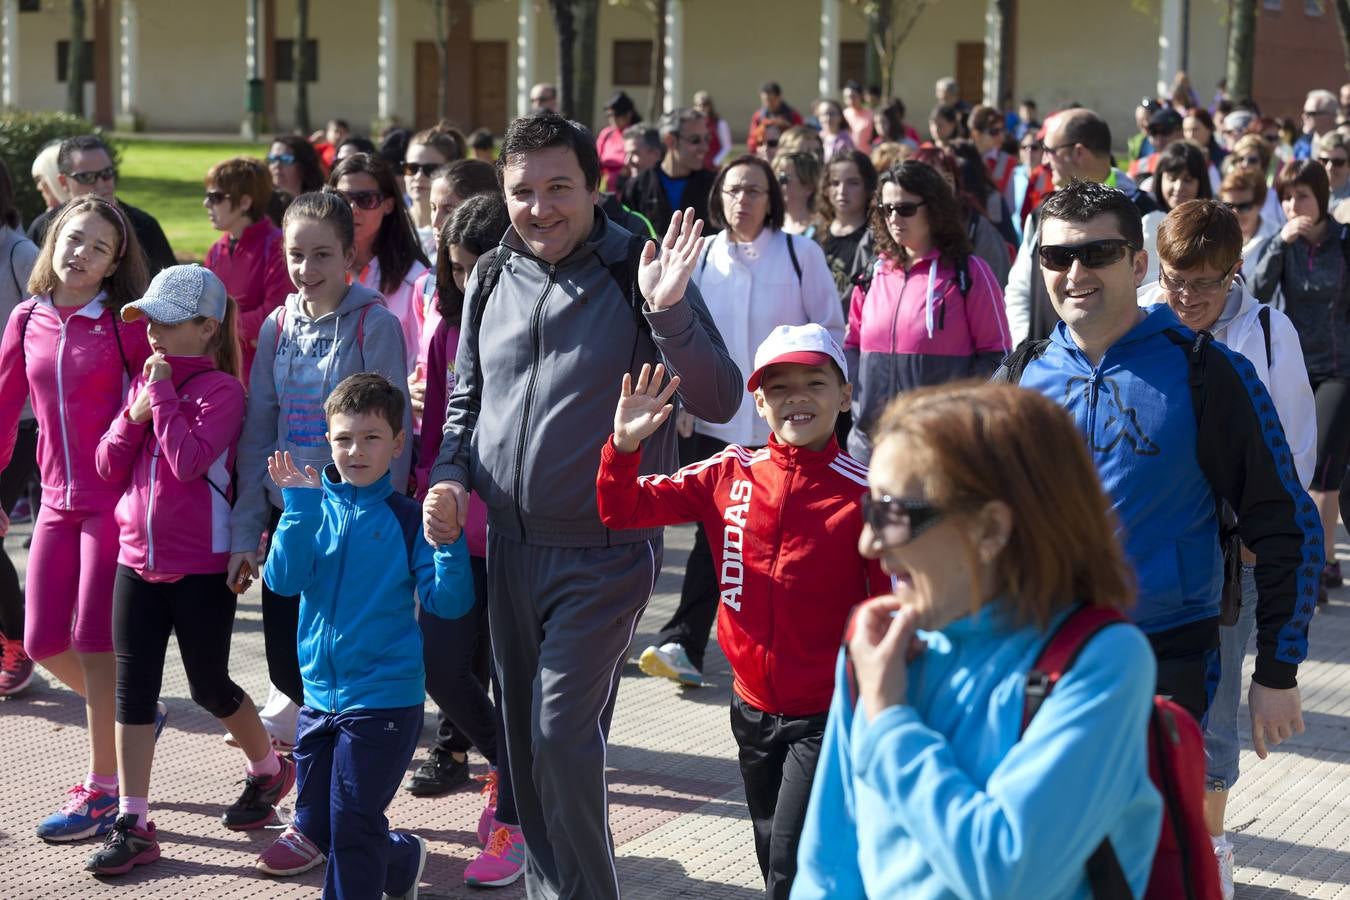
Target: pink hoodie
[(175, 514), (76, 371), (254, 273)]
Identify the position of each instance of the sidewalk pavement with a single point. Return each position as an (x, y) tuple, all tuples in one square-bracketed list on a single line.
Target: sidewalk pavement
[(676, 806)]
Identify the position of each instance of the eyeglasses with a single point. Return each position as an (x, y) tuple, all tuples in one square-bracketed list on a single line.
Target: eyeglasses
[(1033, 146), (214, 198), (1093, 254), (903, 210), (997, 129), (1254, 161), (1241, 207), (412, 170), (1049, 149), (362, 199), (784, 179), (1174, 285), (895, 521), (285, 159), (696, 139), (746, 192), (88, 178), (1334, 162)]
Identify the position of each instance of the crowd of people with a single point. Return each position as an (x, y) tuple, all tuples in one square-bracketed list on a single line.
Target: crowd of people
[(930, 399)]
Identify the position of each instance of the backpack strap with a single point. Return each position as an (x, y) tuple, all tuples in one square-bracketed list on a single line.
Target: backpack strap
[(409, 515), (1058, 654), (792, 255), (963, 275), (1195, 376), (361, 335), (1264, 318), (23, 331), (489, 268), (1026, 352), (13, 274), (624, 274), (281, 327), (117, 336), (233, 479)]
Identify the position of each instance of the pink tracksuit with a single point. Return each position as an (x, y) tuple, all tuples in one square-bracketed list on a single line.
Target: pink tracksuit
[(76, 370), (253, 270), (178, 465)]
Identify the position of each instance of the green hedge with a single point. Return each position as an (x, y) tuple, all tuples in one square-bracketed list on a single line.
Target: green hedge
[(22, 135)]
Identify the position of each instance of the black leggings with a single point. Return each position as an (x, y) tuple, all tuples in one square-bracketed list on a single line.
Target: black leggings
[(199, 609), (281, 642), (13, 485), (1331, 397)]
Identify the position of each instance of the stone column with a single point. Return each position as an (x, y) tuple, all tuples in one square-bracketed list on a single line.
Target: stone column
[(525, 38), (9, 54), (1170, 38), (387, 103), (673, 86), (128, 65), (829, 49)]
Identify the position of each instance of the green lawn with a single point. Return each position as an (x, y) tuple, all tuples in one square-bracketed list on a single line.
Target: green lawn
[(166, 180)]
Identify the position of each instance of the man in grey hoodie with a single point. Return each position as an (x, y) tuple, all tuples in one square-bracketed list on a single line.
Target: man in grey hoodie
[(541, 356)]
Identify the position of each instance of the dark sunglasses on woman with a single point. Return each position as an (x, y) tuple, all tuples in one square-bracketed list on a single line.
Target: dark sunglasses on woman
[(361, 199), (285, 159), (895, 521), (903, 210), (412, 170), (1093, 254)]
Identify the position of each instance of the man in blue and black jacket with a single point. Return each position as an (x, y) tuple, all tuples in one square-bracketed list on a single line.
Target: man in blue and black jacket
[(1171, 426)]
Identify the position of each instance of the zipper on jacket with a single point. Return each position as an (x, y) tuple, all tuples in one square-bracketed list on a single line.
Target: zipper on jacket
[(536, 319), (1093, 386), (61, 405), (344, 526), (149, 512)]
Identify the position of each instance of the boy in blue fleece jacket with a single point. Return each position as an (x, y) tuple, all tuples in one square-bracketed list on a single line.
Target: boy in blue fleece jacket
[(350, 547)]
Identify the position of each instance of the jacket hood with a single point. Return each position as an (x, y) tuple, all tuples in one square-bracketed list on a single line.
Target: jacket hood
[(1159, 317), (606, 240), (357, 296)]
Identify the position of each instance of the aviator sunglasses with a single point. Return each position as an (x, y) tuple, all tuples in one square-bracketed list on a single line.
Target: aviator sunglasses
[(1093, 254)]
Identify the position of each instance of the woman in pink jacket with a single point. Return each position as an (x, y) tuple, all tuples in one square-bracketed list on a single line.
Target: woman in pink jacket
[(248, 257), (174, 443), (931, 312), (68, 349)]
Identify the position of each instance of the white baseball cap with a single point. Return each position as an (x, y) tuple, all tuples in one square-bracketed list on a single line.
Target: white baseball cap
[(807, 345), (180, 293)]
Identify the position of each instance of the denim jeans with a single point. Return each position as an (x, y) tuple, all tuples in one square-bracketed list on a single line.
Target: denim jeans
[(1221, 729)]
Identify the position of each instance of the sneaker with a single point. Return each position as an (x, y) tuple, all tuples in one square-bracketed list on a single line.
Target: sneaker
[(440, 773), (161, 717), (290, 854), (125, 847), (16, 668), (256, 806), (22, 513), (501, 862), (86, 814), (1331, 574), (670, 661), (1223, 853), (489, 814), (411, 893)]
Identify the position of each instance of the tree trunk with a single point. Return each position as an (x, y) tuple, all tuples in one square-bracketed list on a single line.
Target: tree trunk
[(1242, 46), (584, 64), (658, 103), (75, 64), (878, 59), (443, 54), (1343, 17), (565, 23), (299, 58)]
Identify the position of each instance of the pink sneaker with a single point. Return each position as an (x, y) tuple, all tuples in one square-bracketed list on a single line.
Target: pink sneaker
[(501, 862), (16, 669), (290, 854), (489, 814)]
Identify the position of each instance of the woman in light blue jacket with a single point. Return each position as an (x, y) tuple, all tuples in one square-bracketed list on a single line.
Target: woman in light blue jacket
[(987, 512)]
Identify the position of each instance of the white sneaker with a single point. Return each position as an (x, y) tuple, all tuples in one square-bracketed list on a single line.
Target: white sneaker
[(1223, 853), (670, 661)]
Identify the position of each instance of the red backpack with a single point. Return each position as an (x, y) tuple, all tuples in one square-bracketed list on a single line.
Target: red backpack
[(1184, 865)]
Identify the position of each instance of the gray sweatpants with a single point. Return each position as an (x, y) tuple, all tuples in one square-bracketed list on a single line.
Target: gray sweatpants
[(562, 619)]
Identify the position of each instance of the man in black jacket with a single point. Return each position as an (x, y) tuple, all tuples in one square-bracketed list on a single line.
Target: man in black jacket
[(86, 167), (680, 181)]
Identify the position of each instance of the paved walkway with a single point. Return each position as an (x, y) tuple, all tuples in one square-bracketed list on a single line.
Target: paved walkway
[(677, 809)]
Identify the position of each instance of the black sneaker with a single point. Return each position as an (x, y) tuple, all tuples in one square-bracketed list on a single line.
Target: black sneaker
[(439, 774), (125, 847), (256, 806)]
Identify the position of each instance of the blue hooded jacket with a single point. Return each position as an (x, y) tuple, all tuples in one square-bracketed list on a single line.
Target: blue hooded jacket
[(355, 555), (1163, 461)]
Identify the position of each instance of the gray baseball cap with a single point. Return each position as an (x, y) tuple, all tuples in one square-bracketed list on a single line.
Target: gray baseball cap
[(180, 293)]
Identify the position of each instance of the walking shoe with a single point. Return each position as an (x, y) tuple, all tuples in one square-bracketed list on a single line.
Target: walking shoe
[(1331, 574), (125, 847), (440, 773), (22, 513), (290, 854), (1223, 853), (501, 862), (16, 668), (489, 814), (86, 814), (256, 806), (670, 661), (411, 893)]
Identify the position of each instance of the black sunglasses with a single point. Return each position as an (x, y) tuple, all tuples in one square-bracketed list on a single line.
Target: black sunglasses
[(411, 169), (895, 521), (1331, 161), (215, 197), (903, 210), (361, 199), (1241, 207), (1093, 254), (87, 178)]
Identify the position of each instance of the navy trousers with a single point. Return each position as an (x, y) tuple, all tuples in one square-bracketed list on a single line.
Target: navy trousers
[(349, 766)]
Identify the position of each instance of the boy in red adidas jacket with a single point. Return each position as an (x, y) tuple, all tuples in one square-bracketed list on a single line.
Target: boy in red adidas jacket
[(783, 523)]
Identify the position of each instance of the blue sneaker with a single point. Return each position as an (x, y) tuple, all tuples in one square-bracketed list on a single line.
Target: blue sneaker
[(86, 814), (161, 716)]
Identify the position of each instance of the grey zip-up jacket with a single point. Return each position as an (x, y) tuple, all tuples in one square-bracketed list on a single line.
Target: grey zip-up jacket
[(1316, 296), (539, 377), (292, 375)]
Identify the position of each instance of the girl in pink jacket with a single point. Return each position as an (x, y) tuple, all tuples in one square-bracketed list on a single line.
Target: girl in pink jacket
[(173, 446), (67, 348)]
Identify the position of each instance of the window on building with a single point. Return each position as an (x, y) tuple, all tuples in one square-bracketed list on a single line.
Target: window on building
[(633, 63), (1312, 7), (63, 55), (1272, 5), (853, 62), (30, 5), (283, 59)]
